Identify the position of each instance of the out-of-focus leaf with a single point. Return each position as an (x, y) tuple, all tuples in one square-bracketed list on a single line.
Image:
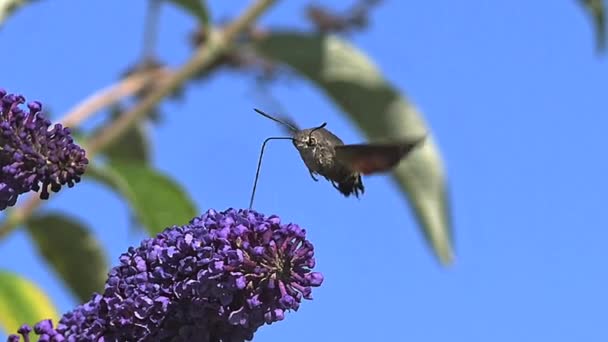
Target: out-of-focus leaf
[(72, 251), (21, 301), (597, 12), (197, 8), (155, 116), (133, 146), (354, 83), (78, 135), (8, 7), (156, 200)]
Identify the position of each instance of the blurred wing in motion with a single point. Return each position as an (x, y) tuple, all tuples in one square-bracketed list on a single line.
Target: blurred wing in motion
[(375, 158), (293, 126), (286, 122)]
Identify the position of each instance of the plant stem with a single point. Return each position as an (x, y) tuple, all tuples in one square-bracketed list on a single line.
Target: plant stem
[(110, 95), (150, 31), (217, 43)]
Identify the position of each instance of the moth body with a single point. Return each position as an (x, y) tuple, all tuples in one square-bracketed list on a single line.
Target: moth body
[(317, 147)]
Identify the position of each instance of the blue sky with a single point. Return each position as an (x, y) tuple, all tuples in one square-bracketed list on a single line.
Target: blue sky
[(514, 94)]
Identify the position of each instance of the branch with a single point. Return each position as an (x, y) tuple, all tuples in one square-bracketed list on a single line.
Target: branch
[(204, 57), (110, 95), (218, 43)]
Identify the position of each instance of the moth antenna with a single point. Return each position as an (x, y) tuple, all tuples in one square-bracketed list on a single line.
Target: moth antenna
[(257, 171), (316, 129), (284, 123)]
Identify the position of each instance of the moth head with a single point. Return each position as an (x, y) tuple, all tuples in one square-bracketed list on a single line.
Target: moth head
[(306, 139)]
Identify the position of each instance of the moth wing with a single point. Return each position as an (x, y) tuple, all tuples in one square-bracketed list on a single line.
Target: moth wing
[(375, 158), (289, 121), (286, 122)]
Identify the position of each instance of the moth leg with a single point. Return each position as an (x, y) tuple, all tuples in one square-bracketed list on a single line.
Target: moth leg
[(335, 185), (312, 175)]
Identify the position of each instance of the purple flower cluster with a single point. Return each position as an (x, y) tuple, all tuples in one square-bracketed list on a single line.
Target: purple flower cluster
[(32, 157), (218, 278)]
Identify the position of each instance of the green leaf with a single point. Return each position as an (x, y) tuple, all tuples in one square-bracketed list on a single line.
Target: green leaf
[(68, 246), (197, 8), (8, 7), (133, 146), (78, 135), (354, 83), (21, 301), (156, 200), (597, 12)]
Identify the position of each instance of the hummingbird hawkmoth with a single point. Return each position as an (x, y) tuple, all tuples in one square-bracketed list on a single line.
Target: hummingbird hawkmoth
[(342, 165)]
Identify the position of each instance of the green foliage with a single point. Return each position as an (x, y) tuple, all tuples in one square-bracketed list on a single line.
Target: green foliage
[(8, 7), (197, 8), (76, 255), (21, 301), (353, 82), (157, 201), (597, 12), (133, 146)]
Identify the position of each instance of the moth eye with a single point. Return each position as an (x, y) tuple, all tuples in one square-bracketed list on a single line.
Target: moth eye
[(311, 141)]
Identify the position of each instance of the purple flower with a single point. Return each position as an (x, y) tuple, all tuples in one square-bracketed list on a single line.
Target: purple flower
[(32, 157), (219, 278)]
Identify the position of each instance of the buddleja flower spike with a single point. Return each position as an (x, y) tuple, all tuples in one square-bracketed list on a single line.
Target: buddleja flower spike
[(217, 279), (32, 156)]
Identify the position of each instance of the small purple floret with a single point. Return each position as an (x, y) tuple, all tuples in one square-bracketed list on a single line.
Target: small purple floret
[(217, 279), (33, 155)]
